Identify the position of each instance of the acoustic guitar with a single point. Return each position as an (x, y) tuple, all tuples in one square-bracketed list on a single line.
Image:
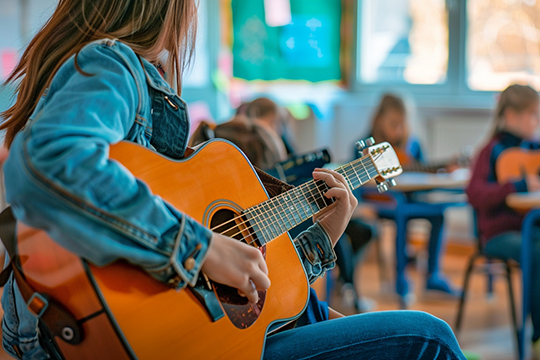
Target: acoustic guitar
[(126, 314), (515, 163)]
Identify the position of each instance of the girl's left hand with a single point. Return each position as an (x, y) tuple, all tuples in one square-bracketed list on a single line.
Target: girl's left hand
[(335, 218)]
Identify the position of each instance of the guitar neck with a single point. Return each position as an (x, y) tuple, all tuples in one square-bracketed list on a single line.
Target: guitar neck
[(282, 213)]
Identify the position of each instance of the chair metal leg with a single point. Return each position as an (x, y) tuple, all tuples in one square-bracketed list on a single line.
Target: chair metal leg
[(512, 304), (464, 292), (402, 286), (489, 279), (527, 231)]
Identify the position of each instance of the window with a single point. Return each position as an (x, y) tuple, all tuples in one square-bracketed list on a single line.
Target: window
[(503, 43), (403, 41), (456, 46)]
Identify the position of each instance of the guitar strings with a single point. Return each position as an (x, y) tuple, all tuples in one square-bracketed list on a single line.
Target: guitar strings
[(299, 188), (279, 221), (264, 215), (299, 194)]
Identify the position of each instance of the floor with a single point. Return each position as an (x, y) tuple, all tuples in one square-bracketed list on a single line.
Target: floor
[(486, 331)]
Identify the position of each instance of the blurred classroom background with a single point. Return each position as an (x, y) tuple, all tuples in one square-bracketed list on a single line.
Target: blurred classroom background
[(328, 62)]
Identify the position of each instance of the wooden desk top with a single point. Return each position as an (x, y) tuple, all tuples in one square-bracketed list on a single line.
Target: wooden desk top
[(524, 201), (418, 181)]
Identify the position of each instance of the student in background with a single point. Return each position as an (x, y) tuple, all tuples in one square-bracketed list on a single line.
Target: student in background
[(517, 116), (390, 124), (271, 117)]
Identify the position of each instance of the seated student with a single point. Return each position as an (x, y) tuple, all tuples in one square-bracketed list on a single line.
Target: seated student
[(390, 124), (88, 80), (257, 136), (516, 118)]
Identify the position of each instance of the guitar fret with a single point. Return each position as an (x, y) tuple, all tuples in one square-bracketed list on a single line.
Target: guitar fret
[(253, 219), (276, 214), (303, 205), (365, 170), (266, 223), (270, 223), (373, 167), (354, 175), (319, 200), (357, 176), (299, 215), (348, 180), (287, 215), (313, 198)]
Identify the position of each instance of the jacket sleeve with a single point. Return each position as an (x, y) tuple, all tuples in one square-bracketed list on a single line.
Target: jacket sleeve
[(483, 191), (316, 251), (60, 178)]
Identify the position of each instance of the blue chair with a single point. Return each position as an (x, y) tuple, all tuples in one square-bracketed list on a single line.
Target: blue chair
[(490, 269), (527, 233), (401, 207)]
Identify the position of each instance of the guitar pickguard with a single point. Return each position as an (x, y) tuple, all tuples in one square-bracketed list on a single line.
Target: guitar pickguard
[(239, 310)]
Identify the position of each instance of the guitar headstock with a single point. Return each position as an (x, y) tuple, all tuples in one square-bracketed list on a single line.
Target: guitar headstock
[(386, 163)]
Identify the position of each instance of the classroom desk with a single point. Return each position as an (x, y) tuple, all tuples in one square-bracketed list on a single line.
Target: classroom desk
[(410, 199), (530, 203), (418, 181)]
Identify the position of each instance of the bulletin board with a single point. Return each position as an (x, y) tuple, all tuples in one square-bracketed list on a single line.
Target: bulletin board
[(306, 49)]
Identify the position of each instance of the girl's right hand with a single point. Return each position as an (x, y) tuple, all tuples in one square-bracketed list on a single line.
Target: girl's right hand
[(236, 264)]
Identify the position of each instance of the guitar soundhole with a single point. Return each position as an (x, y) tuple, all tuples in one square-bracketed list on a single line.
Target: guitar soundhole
[(239, 310)]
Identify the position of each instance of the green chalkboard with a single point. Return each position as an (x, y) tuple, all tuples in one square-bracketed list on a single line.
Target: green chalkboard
[(306, 49)]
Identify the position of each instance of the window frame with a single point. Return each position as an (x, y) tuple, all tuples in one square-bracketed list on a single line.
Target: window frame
[(454, 92)]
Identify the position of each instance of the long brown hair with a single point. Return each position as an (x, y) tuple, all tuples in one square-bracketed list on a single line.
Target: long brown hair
[(148, 26), (516, 97), (388, 102)]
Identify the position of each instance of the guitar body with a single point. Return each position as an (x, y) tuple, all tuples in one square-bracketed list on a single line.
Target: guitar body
[(514, 163), (130, 315)]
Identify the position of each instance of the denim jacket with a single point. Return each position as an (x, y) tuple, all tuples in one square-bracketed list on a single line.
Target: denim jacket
[(59, 178)]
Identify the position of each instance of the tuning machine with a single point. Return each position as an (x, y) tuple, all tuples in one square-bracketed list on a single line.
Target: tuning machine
[(362, 144), (386, 185), (390, 170)]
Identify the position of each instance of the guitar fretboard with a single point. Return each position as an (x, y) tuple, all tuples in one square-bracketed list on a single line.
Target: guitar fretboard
[(279, 214)]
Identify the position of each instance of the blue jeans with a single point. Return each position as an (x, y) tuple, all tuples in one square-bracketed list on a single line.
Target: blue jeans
[(508, 246), (377, 335)]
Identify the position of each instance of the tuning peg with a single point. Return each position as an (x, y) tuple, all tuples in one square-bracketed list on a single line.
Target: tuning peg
[(386, 185), (382, 187), (391, 183), (362, 144)]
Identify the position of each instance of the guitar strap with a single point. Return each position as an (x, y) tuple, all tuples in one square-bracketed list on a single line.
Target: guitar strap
[(56, 319)]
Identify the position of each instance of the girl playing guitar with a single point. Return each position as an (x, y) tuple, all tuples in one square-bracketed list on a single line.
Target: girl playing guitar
[(86, 81)]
